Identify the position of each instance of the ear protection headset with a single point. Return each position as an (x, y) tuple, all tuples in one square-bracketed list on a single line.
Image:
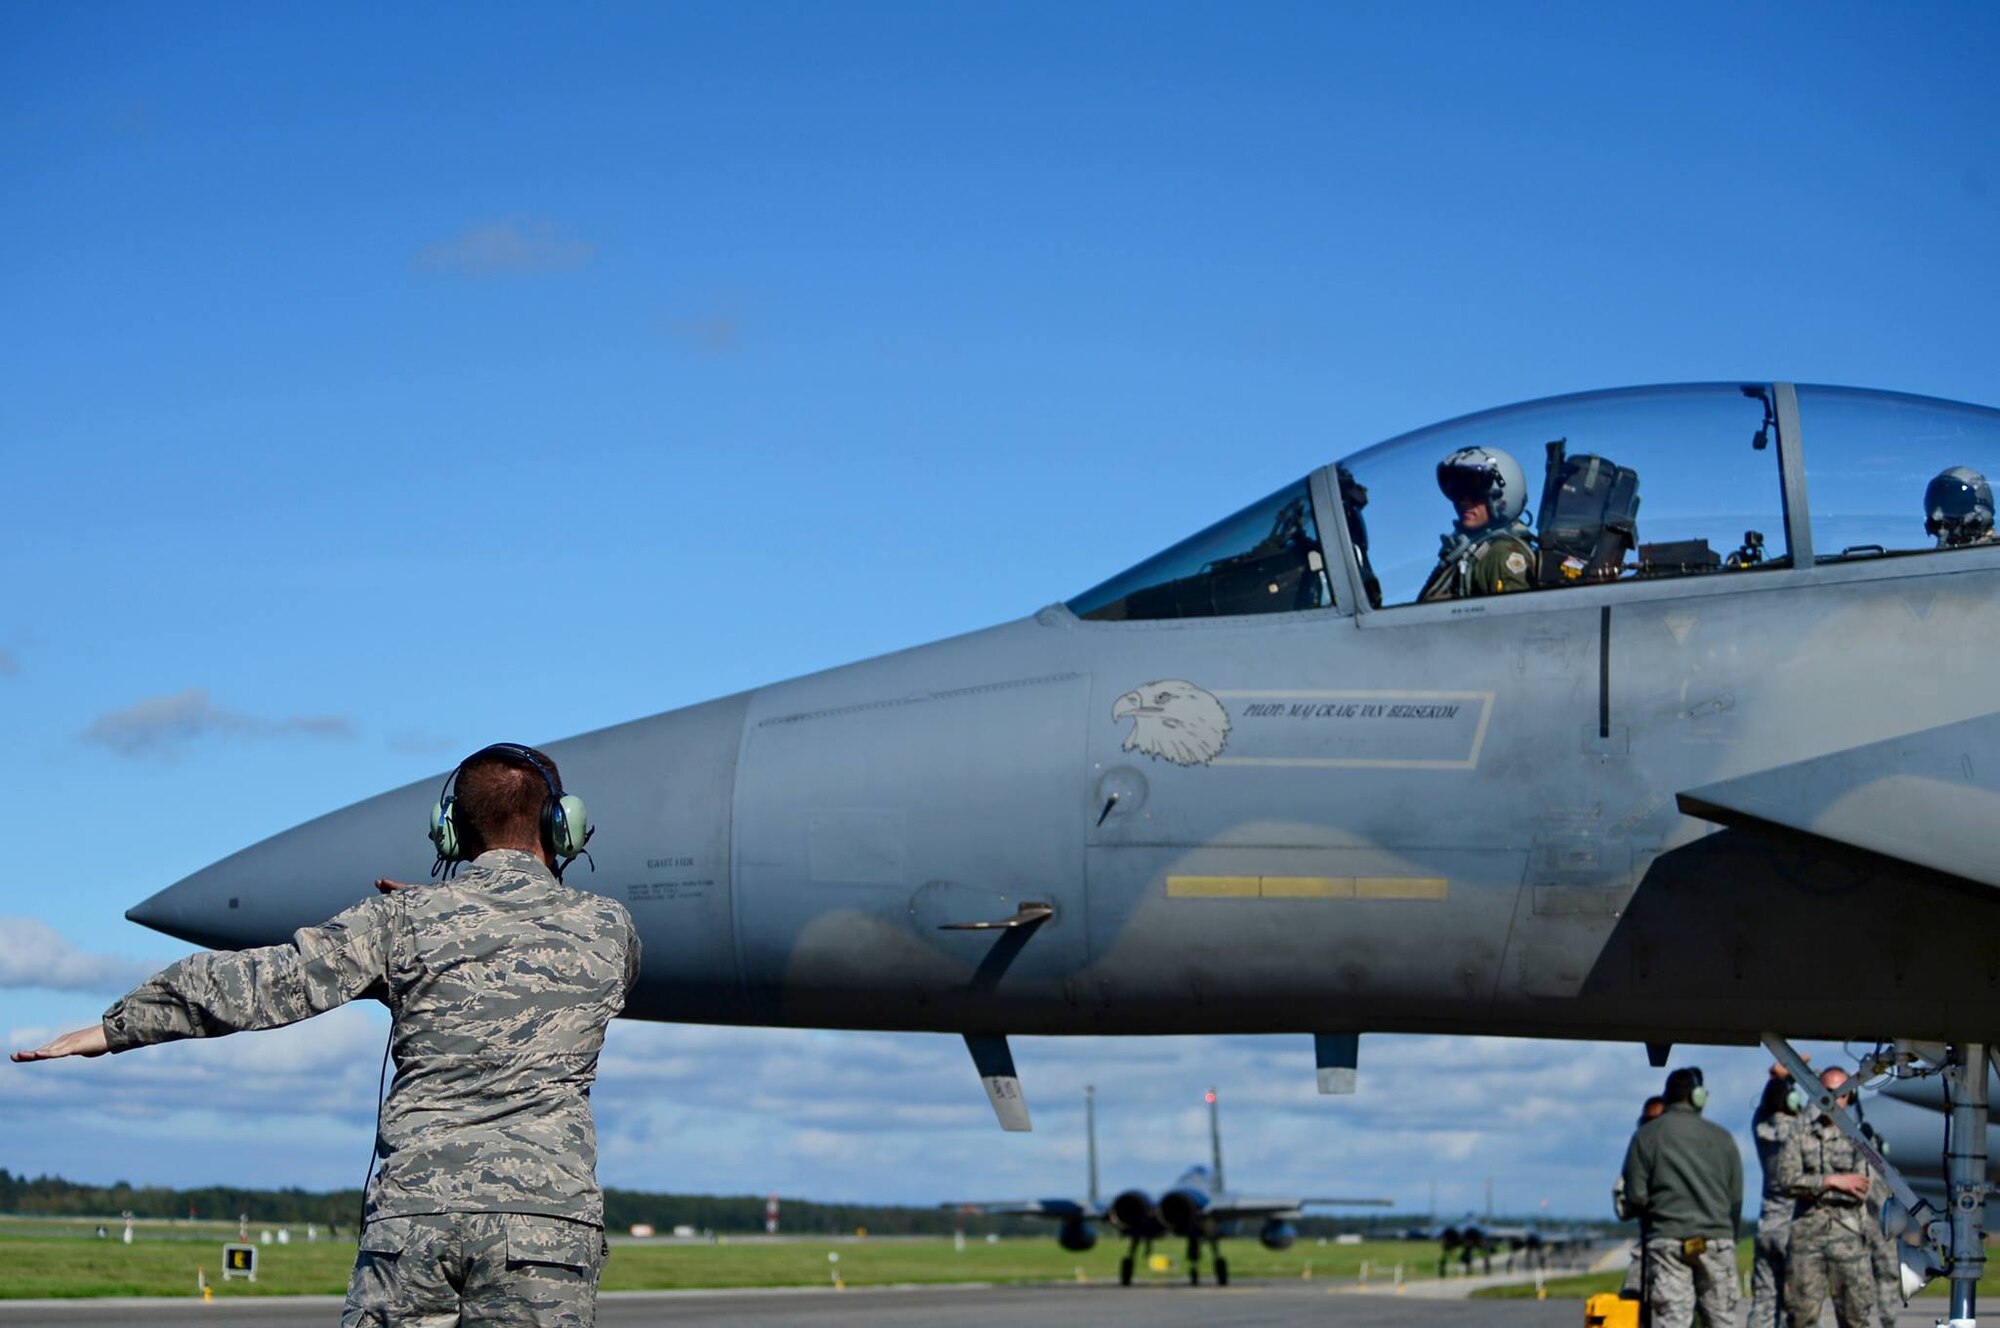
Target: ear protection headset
[(565, 826), (1699, 1098)]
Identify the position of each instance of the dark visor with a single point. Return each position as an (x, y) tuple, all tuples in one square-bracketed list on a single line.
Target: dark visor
[(1465, 484), (1951, 496)]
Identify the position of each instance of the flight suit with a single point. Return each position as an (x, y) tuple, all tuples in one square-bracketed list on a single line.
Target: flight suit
[(1492, 564), (1829, 1253), (485, 1201), (1770, 1129)]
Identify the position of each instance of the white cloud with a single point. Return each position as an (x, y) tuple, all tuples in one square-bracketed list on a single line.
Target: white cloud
[(902, 1118), (517, 244), (166, 726), (325, 1069), (34, 954)]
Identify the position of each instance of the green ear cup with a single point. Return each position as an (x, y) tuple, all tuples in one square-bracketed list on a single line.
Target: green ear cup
[(569, 826), (444, 833), (1795, 1100), (1699, 1098)]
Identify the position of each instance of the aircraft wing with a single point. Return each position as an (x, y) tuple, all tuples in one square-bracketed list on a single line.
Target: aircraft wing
[(1224, 1207), (1927, 800), (1058, 1210)]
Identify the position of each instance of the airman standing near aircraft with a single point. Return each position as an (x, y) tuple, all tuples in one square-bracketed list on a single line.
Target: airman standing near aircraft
[(1684, 1180), (1775, 1120), (1634, 1287), (1882, 1260), (485, 1208), (1489, 550), (1829, 1252)]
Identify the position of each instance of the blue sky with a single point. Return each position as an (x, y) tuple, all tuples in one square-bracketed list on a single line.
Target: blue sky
[(384, 380)]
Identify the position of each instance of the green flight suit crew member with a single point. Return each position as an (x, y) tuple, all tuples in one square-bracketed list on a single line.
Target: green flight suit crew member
[(484, 1207), (1684, 1180), (1830, 1256), (1775, 1120), (1489, 550)]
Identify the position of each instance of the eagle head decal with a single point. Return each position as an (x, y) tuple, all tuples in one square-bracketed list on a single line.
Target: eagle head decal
[(1174, 720)]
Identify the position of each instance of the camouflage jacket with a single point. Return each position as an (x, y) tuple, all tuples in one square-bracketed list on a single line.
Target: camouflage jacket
[(501, 983), (1493, 565), (1813, 1153), (1770, 1129)]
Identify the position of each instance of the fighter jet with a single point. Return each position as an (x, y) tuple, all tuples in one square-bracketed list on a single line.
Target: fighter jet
[(1197, 1208), (1717, 770)]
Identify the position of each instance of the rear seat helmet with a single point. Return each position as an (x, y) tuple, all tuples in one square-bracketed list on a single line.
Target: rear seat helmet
[(1958, 506), (1474, 474)]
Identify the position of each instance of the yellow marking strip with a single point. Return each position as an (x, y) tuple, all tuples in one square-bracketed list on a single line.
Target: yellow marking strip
[(1307, 887), (1212, 887), (1400, 887)]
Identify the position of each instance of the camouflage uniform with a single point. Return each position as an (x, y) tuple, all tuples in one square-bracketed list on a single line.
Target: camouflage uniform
[(1829, 1242), (1770, 1129), (501, 983), (1888, 1269), (1492, 564)]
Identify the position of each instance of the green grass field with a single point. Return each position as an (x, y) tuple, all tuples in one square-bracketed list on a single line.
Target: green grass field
[(55, 1258)]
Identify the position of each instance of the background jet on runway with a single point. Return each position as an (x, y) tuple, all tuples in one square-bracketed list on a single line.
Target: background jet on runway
[(1197, 1208)]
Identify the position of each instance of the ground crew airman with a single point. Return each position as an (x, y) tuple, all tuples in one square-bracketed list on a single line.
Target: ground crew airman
[(1684, 1180), (1634, 1287), (1882, 1260), (1489, 550), (1775, 1120), (484, 1207), (1829, 1253)]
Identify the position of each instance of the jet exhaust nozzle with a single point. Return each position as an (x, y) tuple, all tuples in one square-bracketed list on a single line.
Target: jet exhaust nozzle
[(1181, 1210), (1076, 1236), (1133, 1213), (1278, 1235)]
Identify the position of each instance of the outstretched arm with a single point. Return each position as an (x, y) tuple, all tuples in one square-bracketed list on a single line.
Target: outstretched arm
[(227, 991), (84, 1042)]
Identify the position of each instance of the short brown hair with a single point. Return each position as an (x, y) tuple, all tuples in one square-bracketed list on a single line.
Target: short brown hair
[(500, 796)]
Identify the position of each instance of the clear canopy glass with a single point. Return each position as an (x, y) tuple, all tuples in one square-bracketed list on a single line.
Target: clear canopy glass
[(1264, 559)]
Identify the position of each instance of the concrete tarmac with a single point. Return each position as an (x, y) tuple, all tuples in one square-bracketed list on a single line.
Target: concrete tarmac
[(1250, 1304)]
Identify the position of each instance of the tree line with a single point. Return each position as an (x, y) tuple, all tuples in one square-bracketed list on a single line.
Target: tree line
[(52, 1196)]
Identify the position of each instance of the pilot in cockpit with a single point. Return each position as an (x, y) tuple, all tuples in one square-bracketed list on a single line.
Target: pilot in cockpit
[(1958, 508), (1490, 549)]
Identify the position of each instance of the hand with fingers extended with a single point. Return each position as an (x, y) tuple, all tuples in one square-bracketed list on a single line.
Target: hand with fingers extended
[(83, 1042)]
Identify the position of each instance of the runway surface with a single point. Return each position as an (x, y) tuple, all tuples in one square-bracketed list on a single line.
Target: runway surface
[(1254, 1305), (1249, 1304)]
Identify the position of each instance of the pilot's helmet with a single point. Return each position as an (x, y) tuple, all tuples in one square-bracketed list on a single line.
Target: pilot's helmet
[(1474, 473), (1958, 506)]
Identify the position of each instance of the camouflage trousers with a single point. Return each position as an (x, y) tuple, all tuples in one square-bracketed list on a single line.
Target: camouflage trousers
[(1831, 1263), (446, 1269), (1888, 1269), (1680, 1281), (1767, 1266)]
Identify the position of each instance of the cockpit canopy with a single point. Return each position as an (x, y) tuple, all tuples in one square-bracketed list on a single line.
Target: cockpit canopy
[(1263, 559), (1702, 459)]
